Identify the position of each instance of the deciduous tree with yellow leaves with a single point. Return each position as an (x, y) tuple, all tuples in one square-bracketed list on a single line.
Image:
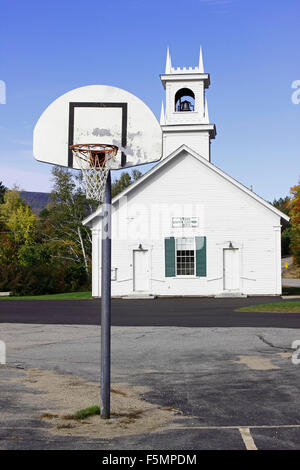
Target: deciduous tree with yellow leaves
[(295, 223)]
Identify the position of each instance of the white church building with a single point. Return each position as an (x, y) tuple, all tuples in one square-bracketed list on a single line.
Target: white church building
[(186, 228)]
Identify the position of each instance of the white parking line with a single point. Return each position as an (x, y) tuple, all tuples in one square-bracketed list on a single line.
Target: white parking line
[(247, 438), (244, 431), (258, 426)]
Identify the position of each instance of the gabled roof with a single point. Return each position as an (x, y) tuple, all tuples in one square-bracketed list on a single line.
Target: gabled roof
[(203, 160)]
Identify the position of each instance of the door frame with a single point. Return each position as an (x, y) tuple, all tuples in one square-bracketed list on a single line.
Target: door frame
[(136, 247), (147, 270), (237, 289), (221, 246)]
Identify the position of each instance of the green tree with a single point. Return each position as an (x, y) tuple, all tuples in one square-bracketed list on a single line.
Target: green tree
[(136, 174), (120, 184), (11, 201), (124, 181), (44, 255), (18, 231), (284, 205), (18, 218), (2, 192), (63, 218)]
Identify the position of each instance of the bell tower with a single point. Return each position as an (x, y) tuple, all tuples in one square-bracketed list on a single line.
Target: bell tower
[(185, 119)]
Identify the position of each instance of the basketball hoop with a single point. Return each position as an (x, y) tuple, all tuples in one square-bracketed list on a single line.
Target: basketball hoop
[(123, 119), (95, 161)]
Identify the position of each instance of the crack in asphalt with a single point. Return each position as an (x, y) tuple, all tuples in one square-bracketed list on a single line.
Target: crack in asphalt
[(273, 345), (51, 343)]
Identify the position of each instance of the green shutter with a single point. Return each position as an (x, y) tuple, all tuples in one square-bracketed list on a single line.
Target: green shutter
[(200, 256), (170, 257)]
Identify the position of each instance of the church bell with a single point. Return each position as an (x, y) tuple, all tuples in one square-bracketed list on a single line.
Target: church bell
[(185, 106)]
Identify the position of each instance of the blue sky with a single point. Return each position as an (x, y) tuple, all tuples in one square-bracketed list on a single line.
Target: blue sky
[(250, 49)]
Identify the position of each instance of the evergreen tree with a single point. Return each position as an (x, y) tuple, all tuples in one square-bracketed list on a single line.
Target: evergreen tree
[(2, 192), (124, 181), (284, 205)]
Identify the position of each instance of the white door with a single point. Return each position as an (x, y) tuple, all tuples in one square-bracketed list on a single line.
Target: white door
[(231, 269), (140, 271)]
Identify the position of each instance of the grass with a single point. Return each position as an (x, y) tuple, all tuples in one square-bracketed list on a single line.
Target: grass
[(126, 418), (65, 296), (280, 307), (85, 413)]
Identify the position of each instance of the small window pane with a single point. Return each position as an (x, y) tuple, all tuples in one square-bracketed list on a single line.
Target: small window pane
[(185, 257)]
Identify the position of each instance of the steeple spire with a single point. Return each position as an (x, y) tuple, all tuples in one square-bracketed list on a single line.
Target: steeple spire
[(201, 68), (168, 62)]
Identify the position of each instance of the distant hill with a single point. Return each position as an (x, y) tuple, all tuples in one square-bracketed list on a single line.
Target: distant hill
[(37, 201)]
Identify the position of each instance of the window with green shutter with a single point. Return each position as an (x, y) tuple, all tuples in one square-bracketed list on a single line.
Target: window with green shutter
[(185, 257), (170, 257), (200, 256)]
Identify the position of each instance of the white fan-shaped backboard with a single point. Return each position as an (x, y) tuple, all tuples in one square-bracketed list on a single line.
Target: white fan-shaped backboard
[(98, 114)]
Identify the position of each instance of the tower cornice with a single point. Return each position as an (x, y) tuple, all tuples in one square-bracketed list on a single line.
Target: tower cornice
[(184, 76), (210, 128)]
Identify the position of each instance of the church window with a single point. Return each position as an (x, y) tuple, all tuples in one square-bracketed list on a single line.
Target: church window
[(185, 256)]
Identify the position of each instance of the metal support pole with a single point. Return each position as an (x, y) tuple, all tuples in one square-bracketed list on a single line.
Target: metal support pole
[(106, 303)]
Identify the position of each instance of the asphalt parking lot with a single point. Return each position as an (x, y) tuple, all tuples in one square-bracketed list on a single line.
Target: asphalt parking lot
[(185, 312), (235, 388)]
